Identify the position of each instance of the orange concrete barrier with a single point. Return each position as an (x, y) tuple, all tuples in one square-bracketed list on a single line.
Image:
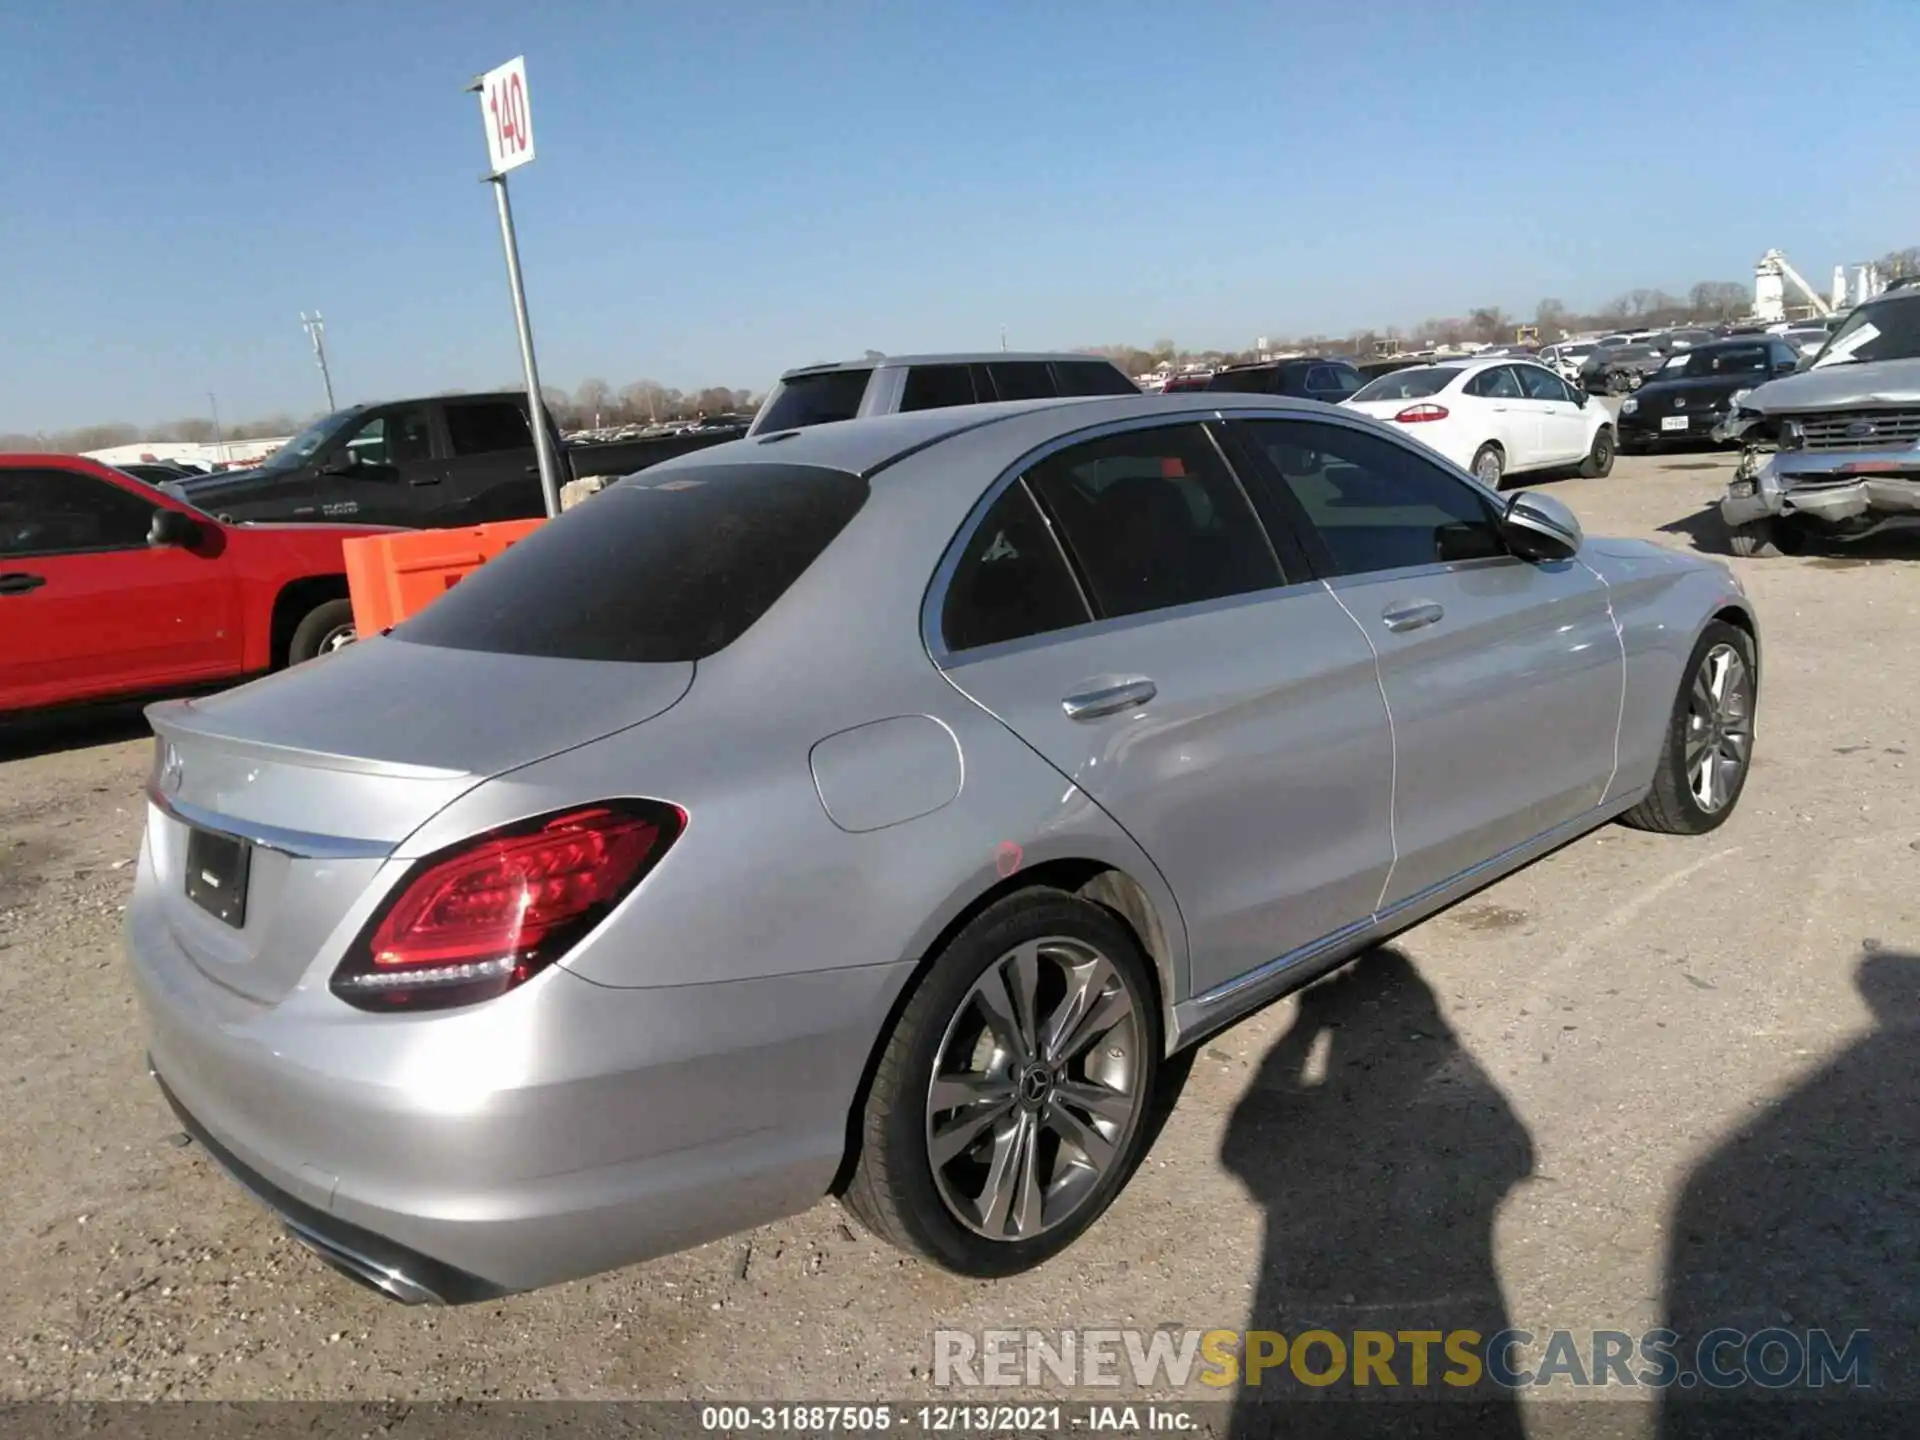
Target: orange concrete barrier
[(390, 577)]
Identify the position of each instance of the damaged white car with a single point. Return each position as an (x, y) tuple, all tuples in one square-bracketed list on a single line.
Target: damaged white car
[(1832, 453)]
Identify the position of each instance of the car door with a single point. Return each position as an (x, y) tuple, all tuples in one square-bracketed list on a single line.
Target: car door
[(1563, 423), (492, 469), (1223, 709), (1503, 677), (383, 470), (1512, 419), (88, 608)]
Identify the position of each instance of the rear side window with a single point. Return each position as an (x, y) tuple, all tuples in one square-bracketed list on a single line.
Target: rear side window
[(938, 387), (1261, 381), (672, 567), (1022, 379), (1011, 581), (816, 399), (1155, 519), (487, 428), (1091, 377)]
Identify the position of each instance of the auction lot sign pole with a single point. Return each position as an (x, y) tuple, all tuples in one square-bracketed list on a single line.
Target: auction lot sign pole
[(507, 118)]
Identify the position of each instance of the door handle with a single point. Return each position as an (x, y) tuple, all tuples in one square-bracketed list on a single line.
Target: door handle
[(18, 582), (424, 480), (1411, 614), (1109, 699)]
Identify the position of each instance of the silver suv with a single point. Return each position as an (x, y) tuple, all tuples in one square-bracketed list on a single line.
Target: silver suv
[(817, 394)]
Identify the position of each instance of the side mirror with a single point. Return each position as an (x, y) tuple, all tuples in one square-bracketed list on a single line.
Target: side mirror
[(1786, 367), (172, 527), (1539, 527), (1579, 396)]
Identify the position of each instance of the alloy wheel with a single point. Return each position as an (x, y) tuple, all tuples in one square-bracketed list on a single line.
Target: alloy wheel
[(1036, 1087), (1719, 739), (337, 638)]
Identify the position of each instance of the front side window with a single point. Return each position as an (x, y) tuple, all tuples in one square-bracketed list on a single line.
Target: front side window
[(62, 512), (1011, 580), (1154, 518), (1542, 384), (1375, 505), (938, 387), (488, 427), (395, 437), (1324, 379)]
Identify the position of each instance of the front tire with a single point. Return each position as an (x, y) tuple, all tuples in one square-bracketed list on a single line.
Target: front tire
[(325, 628), (1010, 1104), (1599, 462), (1708, 748)]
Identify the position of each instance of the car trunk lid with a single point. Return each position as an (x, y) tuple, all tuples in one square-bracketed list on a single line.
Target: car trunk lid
[(324, 770)]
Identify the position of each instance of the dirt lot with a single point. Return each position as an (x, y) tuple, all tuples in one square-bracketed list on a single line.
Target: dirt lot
[(1644, 1078)]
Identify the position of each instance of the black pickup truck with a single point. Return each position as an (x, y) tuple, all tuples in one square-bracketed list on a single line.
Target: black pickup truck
[(448, 460)]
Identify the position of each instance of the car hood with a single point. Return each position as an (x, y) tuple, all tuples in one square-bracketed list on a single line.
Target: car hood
[(1836, 387)]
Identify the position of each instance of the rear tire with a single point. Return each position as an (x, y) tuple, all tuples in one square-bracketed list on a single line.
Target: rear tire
[(1008, 1125), (1599, 462), (1714, 727), (1489, 466), (326, 628)]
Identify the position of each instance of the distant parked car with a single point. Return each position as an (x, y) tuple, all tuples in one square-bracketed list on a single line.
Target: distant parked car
[(157, 472), (1686, 397), (1304, 377), (877, 812), (109, 587), (1185, 383), (822, 394), (1567, 358), (1617, 369), (1494, 418)]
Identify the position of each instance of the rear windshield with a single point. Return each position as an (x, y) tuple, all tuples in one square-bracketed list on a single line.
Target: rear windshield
[(659, 567), (816, 399), (1409, 384), (1092, 377), (1256, 380)]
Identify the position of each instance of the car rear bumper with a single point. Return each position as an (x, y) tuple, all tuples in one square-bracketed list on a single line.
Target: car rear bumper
[(1831, 487), (514, 1144)]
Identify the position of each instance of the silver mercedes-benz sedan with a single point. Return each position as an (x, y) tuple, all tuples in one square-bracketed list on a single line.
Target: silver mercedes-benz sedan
[(874, 809)]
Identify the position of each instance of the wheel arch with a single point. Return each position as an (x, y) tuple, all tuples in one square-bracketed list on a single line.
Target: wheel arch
[(1742, 620), (1098, 881), (291, 605)]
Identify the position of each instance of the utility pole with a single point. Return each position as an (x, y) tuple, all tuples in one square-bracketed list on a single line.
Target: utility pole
[(1003, 339), (218, 444), (316, 329)]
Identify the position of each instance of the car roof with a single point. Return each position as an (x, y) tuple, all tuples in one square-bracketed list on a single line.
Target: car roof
[(1280, 360), (958, 357), (869, 445)]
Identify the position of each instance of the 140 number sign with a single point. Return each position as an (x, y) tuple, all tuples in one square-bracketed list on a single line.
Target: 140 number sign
[(506, 115)]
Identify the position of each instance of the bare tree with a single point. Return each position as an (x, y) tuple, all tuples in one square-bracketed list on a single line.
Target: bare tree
[(1490, 325), (594, 400)]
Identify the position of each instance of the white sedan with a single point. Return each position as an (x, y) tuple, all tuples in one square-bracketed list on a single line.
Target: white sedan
[(1494, 417)]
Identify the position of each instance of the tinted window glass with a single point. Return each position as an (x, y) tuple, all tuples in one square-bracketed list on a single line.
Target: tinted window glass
[(1409, 384), (392, 438), (672, 566), (1541, 384), (1254, 380), (488, 428), (1021, 379), (1718, 360), (1498, 383), (935, 387), (1091, 377), (1011, 580), (816, 399), (55, 512), (1321, 378), (1888, 330), (1154, 518), (1375, 505)]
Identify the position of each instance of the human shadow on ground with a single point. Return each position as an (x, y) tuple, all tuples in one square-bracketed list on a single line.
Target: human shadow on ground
[(1808, 1219), (1380, 1152)]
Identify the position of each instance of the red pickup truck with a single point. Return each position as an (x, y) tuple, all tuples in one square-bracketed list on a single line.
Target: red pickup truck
[(110, 587)]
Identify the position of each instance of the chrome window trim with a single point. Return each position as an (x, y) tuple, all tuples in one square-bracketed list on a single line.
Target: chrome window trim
[(934, 600), (300, 844)]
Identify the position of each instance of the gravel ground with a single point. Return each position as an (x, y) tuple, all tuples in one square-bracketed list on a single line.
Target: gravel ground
[(1646, 1077)]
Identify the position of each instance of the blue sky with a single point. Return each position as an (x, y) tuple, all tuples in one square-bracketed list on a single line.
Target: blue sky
[(727, 190)]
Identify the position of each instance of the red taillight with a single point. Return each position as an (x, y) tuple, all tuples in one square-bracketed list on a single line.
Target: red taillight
[(1414, 414), (474, 921)]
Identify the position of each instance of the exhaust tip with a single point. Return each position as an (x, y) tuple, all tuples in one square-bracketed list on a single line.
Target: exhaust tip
[(388, 1281)]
